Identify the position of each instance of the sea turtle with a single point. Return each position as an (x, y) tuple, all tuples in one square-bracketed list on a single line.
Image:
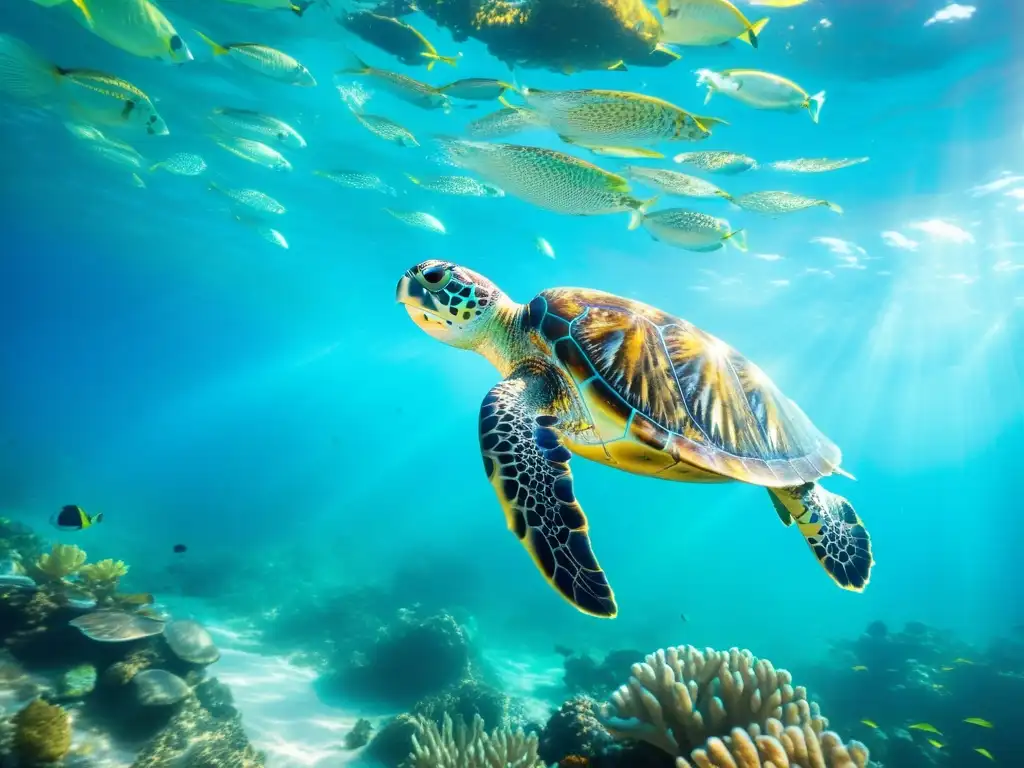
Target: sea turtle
[(622, 383)]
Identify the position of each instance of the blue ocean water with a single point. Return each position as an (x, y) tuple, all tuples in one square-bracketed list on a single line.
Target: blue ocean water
[(277, 412)]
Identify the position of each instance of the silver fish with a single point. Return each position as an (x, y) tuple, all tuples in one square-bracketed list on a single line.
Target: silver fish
[(774, 202), (248, 124), (358, 180), (689, 230), (674, 183)]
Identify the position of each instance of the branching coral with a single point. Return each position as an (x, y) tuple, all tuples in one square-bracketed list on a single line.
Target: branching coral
[(63, 560), (679, 698), (780, 747), (455, 745), (103, 573)]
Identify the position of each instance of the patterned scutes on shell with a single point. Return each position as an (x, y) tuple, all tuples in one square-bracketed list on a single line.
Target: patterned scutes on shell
[(680, 390)]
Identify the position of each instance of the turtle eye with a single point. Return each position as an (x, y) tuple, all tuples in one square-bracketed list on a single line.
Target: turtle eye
[(435, 278)]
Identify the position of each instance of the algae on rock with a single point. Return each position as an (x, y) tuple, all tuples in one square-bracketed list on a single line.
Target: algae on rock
[(42, 733)]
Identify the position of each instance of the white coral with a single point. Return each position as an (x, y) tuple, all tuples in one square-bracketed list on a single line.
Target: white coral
[(458, 746), (780, 747), (679, 698)]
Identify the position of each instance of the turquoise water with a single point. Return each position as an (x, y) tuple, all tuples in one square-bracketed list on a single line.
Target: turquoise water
[(277, 412)]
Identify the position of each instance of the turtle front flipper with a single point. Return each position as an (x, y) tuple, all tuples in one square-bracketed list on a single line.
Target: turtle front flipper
[(833, 530), (529, 468)]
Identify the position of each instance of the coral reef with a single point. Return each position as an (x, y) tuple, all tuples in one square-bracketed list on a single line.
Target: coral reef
[(466, 699), (679, 698), (585, 675), (18, 542), (78, 681), (454, 745), (392, 744), (438, 644), (62, 561), (102, 578), (575, 730), (779, 747), (359, 736), (196, 738), (42, 733)]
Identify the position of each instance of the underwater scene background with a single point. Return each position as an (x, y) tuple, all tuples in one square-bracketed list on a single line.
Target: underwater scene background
[(288, 470)]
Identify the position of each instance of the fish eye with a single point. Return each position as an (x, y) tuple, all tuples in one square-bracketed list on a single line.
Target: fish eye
[(282, 136), (176, 43), (435, 278)]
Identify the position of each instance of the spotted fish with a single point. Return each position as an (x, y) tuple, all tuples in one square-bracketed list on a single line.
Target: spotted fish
[(387, 129), (405, 88), (616, 118), (773, 202), (546, 178), (815, 165), (251, 198), (725, 163), (461, 186), (689, 230), (357, 180), (267, 61), (674, 183), (505, 122), (420, 220)]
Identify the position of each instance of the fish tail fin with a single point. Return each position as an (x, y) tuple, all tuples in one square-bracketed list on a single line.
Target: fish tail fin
[(98, 518), (81, 5), (724, 195), (738, 239), (413, 179), (451, 61), (24, 74), (636, 216), (832, 207), (709, 94), (299, 7), (155, 166), (752, 34), (354, 65), (618, 66), (814, 105), (217, 48)]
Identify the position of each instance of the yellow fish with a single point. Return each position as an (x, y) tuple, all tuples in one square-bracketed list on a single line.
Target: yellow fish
[(948, 669), (936, 744), (777, 3), (135, 26), (979, 721), (706, 22), (962, 660), (80, 4), (926, 727), (870, 723), (984, 753), (938, 686), (298, 8), (859, 668), (268, 61)]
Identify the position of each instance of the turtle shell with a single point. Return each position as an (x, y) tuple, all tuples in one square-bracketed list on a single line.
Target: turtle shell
[(668, 399)]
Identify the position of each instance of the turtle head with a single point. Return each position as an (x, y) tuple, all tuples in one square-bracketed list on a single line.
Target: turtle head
[(451, 303)]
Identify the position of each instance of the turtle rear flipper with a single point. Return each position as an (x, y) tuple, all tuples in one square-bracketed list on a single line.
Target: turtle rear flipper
[(529, 468), (834, 531)]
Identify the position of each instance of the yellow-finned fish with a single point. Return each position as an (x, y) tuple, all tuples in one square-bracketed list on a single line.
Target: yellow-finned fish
[(358, 180), (947, 669), (402, 87), (135, 26), (706, 22), (979, 722), (268, 233), (725, 163), (761, 90), (622, 152), (254, 152), (984, 753), (247, 124), (689, 230), (88, 95), (298, 7), (616, 118), (72, 517), (678, 185), (477, 89), (859, 668), (776, 202), (777, 3), (936, 743), (401, 40), (81, 4), (926, 727), (387, 129), (962, 660), (505, 122), (267, 61), (870, 723), (546, 178), (420, 220)]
